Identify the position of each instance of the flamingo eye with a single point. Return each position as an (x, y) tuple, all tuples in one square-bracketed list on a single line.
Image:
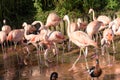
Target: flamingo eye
[(110, 34)]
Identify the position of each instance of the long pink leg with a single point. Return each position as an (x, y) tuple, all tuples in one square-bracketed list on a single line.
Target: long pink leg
[(73, 66)]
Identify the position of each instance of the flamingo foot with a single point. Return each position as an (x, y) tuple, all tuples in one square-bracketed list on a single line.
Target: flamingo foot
[(73, 68)]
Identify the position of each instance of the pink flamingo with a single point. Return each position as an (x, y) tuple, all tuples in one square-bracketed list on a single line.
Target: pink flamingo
[(93, 28), (114, 25), (52, 36), (102, 18), (53, 20), (3, 37), (16, 36), (76, 26), (81, 39), (81, 25), (5, 27), (108, 36)]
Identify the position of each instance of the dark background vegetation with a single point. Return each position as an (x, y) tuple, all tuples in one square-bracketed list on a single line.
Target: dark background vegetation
[(18, 11)]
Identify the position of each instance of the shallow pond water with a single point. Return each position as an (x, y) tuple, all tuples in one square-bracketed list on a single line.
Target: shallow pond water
[(41, 72)]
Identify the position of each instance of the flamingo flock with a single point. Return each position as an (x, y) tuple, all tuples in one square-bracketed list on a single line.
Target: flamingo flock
[(79, 33)]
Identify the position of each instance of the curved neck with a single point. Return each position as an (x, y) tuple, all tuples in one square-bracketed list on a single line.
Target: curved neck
[(25, 34), (35, 22), (45, 37), (68, 28), (94, 18)]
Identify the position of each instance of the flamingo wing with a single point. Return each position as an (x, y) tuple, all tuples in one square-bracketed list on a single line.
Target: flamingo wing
[(81, 39)]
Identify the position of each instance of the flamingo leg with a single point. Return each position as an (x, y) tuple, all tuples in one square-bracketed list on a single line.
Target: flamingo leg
[(86, 52), (55, 51), (28, 54), (69, 47), (4, 57), (114, 51), (108, 55), (45, 54), (100, 34), (63, 52), (15, 43), (39, 58), (73, 66), (113, 46), (103, 49)]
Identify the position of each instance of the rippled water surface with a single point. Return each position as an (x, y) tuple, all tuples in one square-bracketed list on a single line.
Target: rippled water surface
[(111, 70)]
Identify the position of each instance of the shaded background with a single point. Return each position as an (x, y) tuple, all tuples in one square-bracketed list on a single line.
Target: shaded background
[(18, 11)]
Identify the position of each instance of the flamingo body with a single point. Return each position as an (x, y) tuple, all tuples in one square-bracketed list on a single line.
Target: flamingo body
[(93, 27)]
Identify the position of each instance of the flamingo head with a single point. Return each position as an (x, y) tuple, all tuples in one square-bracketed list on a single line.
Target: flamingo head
[(90, 10), (79, 20), (65, 17), (4, 21), (24, 24)]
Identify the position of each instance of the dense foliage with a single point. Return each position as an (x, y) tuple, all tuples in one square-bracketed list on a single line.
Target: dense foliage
[(18, 11)]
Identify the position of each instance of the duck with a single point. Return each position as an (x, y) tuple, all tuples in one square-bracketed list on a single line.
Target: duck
[(54, 76), (95, 71)]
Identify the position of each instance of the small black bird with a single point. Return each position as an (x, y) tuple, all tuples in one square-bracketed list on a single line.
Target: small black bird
[(95, 71), (54, 76)]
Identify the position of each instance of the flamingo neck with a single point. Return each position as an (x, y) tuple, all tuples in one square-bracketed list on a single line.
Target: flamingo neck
[(45, 37), (68, 28), (94, 18)]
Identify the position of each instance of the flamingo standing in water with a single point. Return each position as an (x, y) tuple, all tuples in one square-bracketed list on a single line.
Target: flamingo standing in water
[(16, 36), (3, 37), (108, 36), (52, 36), (81, 39), (76, 26)]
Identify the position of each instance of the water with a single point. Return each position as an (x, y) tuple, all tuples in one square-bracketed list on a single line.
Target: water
[(33, 72)]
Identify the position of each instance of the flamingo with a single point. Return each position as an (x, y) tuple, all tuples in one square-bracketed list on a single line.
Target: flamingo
[(3, 37), (81, 39), (81, 25), (114, 25), (5, 27), (93, 28), (35, 39), (108, 36), (103, 18), (76, 26), (16, 36), (117, 32), (53, 20), (52, 36)]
